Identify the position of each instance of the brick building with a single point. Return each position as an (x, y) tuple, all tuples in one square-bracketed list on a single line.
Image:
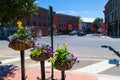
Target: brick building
[(87, 26), (66, 23), (112, 17), (40, 21)]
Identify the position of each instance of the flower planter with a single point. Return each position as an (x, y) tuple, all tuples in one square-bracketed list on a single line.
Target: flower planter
[(21, 44), (42, 57), (63, 66)]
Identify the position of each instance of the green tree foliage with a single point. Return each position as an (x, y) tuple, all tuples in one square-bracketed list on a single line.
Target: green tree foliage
[(97, 22), (80, 19), (13, 10)]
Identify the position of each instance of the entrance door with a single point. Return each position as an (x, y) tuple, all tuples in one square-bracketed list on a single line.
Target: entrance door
[(39, 33)]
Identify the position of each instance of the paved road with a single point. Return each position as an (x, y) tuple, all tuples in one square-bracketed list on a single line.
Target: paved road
[(93, 58)]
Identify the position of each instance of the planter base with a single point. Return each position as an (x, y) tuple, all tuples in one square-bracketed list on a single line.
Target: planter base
[(19, 45), (63, 66)]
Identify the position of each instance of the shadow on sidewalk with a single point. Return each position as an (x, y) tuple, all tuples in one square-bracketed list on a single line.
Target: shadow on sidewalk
[(114, 36), (7, 70)]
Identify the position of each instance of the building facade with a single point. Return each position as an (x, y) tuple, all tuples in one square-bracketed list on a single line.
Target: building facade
[(87, 26), (112, 17), (66, 23), (40, 22)]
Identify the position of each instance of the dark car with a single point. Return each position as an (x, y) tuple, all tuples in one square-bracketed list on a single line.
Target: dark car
[(74, 32), (81, 33)]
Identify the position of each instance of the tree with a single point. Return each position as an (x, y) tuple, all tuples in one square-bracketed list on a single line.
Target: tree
[(13, 10), (80, 19), (97, 22)]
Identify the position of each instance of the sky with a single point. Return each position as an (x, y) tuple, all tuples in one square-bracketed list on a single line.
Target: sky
[(88, 10)]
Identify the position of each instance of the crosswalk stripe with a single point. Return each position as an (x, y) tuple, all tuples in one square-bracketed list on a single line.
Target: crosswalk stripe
[(12, 60), (95, 68), (107, 77)]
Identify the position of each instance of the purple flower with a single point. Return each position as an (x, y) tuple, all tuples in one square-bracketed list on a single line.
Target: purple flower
[(71, 55), (78, 61), (26, 44), (35, 39)]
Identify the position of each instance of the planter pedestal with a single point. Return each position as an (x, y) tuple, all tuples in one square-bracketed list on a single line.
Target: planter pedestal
[(42, 59), (62, 75), (22, 65), (42, 70)]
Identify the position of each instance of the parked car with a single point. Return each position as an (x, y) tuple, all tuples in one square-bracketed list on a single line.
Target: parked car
[(77, 32), (74, 32), (81, 33)]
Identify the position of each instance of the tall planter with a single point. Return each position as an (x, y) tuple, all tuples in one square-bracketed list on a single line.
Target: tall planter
[(41, 53), (41, 58), (21, 40), (63, 60)]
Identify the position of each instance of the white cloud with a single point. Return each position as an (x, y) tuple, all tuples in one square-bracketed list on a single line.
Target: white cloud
[(86, 12), (75, 13), (63, 12), (88, 19)]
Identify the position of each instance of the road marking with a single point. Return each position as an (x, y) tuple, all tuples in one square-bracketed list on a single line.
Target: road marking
[(95, 68), (12, 60), (47, 64), (107, 77)]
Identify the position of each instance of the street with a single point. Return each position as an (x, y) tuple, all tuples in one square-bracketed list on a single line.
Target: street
[(93, 58)]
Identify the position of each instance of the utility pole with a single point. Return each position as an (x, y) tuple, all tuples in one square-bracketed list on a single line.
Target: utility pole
[(51, 31)]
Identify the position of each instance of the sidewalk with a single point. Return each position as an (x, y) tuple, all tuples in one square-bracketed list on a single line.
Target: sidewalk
[(34, 74)]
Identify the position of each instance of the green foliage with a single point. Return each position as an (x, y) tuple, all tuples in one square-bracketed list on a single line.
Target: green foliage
[(80, 19), (62, 55), (98, 22), (21, 34), (36, 52), (13, 10), (43, 49)]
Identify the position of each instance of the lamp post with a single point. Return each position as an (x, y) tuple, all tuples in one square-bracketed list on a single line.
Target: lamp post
[(51, 32)]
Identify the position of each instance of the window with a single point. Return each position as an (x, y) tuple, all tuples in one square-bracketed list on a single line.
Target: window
[(39, 16), (48, 18), (44, 17), (44, 24), (28, 22), (115, 15), (34, 23), (115, 2), (39, 23)]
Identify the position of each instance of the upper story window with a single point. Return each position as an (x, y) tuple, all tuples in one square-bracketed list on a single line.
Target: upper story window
[(39, 23), (28, 23), (44, 25), (34, 23), (44, 17), (39, 16), (48, 18), (34, 17)]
